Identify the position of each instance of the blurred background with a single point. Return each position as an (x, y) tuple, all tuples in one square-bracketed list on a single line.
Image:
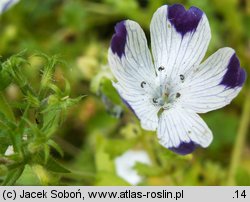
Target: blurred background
[(100, 128)]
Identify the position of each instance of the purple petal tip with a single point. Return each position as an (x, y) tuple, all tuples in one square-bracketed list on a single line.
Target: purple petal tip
[(235, 76), (184, 148), (184, 20), (7, 5), (118, 41)]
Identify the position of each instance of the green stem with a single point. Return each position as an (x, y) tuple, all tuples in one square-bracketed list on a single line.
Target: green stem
[(5, 108), (240, 140)]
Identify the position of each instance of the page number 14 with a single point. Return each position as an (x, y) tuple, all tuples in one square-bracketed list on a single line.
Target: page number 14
[(240, 194)]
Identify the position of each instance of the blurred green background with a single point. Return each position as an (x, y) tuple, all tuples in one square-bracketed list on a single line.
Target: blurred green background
[(100, 127)]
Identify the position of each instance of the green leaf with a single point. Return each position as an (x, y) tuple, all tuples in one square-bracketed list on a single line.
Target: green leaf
[(28, 177), (46, 153), (45, 176), (103, 161), (5, 79), (116, 147), (67, 87), (13, 176), (32, 100), (54, 166), (102, 158), (5, 141), (3, 170), (53, 144), (33, 127), (9, 129), (51, 164), (6, 123)]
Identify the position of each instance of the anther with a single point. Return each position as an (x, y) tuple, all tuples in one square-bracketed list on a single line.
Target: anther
[(155, 100), (178, 95), (161, 68), (182, 77), (143, 84)]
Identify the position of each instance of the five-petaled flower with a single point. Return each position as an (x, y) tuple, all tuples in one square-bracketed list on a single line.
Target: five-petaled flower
[(166, 94)]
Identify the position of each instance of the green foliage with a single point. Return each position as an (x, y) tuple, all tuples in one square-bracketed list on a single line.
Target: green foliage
[(43, 111)]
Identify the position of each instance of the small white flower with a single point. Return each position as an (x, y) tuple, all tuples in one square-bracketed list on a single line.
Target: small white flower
[(167, 93), (125, 163), (6, 4)]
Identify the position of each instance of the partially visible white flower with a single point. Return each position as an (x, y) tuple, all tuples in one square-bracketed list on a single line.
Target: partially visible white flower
[(125, 163), (6, 4), (9, 151)]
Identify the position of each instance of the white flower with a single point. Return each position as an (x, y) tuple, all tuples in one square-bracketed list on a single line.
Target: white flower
[(167, 93), (125, 163), (6, 4)]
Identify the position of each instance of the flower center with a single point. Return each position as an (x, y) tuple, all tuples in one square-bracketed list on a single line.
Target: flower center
[(160, 97), (167, 91), (160, 100)]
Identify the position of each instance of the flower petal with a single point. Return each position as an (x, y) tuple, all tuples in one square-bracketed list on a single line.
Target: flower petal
[(131, 63), (214, 83), (182, 131), (179, 38), (129, 56), (141, 105), (6, 4)]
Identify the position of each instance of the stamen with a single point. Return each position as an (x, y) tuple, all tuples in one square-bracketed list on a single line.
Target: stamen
[(143, 84)]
